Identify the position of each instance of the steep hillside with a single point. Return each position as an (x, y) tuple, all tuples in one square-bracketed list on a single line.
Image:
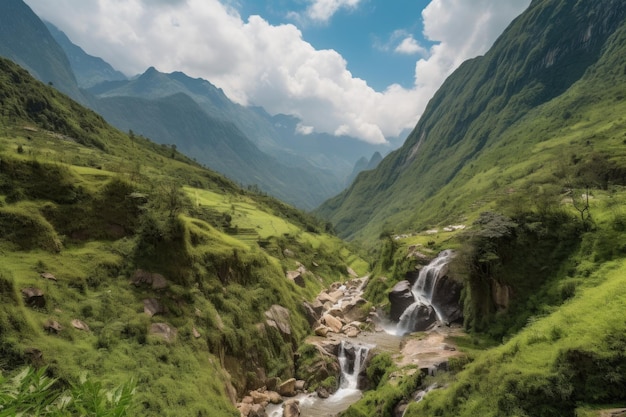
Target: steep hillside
[(89, 70), (26, 40), (178, 120), (124, 259), (491, 110)]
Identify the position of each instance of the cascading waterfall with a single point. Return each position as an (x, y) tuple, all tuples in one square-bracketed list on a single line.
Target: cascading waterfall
[(423, 292), (351, 368)]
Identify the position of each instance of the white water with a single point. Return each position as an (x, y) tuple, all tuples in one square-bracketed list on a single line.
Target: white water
[(347, 394), (423, 290), (350, 370)]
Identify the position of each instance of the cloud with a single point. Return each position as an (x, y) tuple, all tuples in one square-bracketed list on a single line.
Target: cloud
[(323, 10), (409, 46), (272, 65)]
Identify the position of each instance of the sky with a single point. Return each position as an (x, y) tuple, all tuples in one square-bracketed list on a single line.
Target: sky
[(363, 68)]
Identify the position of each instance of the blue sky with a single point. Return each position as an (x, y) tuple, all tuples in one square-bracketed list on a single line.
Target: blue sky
[(363, 68), (365, 36)]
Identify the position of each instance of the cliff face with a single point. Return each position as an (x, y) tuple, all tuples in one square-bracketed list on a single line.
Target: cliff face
[(539, 57)]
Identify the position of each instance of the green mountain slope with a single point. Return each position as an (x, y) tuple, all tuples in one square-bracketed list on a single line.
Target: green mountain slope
[(453, 161), (124, 259), (89, 70), (218, 144), (26, 40)]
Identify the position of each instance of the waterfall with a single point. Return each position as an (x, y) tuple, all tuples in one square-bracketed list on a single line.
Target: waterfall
[(352, 360), (423, 293)]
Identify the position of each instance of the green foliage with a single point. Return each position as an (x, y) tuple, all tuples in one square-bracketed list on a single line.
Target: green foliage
[(32, 392)]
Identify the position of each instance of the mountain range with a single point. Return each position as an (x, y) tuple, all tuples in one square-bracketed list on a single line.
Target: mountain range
[(255, 148)]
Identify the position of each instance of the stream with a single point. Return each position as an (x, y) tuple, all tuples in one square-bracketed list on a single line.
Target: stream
[(426, 352)]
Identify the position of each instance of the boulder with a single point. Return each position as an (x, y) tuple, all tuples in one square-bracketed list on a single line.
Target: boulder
[(272, 384), (300, 384), (164, 331), (195, 332), (312, 311), (446, 297), (351, 331), (152, 307), (322, 331), (291, 409), (52, 326), (322, 392), (296, 277), (400, 298), (355, 310), (48, 276), (278, 317), (332, 322), (421, 318), (80, 325), (257, 410), (259, 397), (141, 277), (288, 388), (244, 409), (289, 253), (274, 397), (351, 272), (336, 295), (34, 297)]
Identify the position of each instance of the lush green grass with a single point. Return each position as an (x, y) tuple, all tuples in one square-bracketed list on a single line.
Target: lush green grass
[(92, 205), (572, 356)]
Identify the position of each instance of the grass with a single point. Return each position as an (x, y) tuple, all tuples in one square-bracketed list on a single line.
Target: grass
[(92, 205)]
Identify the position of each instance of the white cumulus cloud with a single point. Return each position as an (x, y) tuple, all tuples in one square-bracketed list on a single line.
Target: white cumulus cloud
[(410, 46), (272, 65)]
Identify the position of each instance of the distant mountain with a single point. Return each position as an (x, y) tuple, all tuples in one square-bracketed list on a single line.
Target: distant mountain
[(471, 125), (89, 70), (364, 165), (25, 40), (275, 135), (178, 120)]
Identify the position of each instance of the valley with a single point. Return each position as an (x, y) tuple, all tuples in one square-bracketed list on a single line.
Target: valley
[(163, 265)]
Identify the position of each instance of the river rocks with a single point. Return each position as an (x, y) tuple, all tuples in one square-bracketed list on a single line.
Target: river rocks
[(291, 409), (400, 299), (259, 397), (257, 410), (278, 317), (333, 323), (288, 388), (355, 310), (313, 311), (34, 297)]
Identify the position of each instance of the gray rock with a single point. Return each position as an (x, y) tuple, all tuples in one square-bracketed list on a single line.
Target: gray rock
[(400, 299)]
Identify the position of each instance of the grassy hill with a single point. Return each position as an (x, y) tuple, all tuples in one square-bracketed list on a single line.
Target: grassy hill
[(531, 109), (86, 210)]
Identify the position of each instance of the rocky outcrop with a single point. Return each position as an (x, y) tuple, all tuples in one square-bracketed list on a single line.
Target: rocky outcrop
[(164, 331), (400, 298), (34, 297), (501, 295), (278, 317), (141, 277), (291, 409), (152, 307), (288, 388), (446, 297), (296, 277)]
